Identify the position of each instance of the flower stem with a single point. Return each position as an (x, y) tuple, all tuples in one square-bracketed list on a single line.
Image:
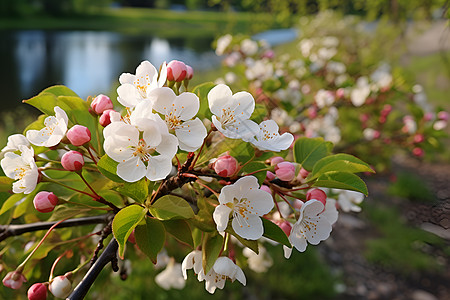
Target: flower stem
[(200, 150), (54, 264)]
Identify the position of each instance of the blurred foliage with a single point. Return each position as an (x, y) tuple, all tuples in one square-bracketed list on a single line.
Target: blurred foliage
[(410, 186), (402, 248)]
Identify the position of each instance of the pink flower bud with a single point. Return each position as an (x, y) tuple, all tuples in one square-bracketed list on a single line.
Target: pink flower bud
[(37, 291), (387, 108), (79, 135), (418, 152), (101, 103), (276, 160), (270, 176), (14, 280), (285, 226), (364, 118), (45, 202), (285, 171), (418, 138), (189, 72), (269, 54), (297, 204), (60, 287), (443, 115), (225, 166), (312, 112), (105, 118), (176, 71), (265, 188), (340, 93), (304, 173), (428, 116), (72, 161), (317, 194)]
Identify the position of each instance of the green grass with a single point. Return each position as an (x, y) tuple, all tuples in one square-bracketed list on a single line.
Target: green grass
[(164, 23), (401, 248)]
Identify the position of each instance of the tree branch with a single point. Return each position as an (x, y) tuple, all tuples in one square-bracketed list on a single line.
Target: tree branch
[(108, 255), (14, 230)]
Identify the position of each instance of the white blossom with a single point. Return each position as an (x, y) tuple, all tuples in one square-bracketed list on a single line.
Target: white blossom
[(246, 203), (53, 132), (360, 92), (223, 269), (268, 138), (21, 168), (260, 262), (249, 47), (222, 43), (349, 200), (135, 88), (311, 226), (171, 277), (232, 112), (14, 141), (192, 261), (179, 112), (324, 98)]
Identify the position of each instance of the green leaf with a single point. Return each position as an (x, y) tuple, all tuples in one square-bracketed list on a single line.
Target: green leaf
[(124, 223), (256, 166), (180, 230), (171, 207), (203, 219), (341, 163), (341, 180), (275, 233), (45, 102), (202, 91), (260, 113), (108, 167), (211, 246), (59, 90), (307, 151), (136, 190), (10, 202), (150, 238), (5, 184)]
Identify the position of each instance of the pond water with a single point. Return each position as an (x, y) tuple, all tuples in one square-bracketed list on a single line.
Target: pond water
[(88, 62)]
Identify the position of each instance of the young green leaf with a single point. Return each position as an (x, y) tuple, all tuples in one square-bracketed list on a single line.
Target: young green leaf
[(136, 190), (150, 238), (108, 167), (275, 233), (341, 163), (202, 91), (124, 223), (5, 183), (180, 230), (256, 166), (341, 180), (10, 202), (171, 207), (212, 245), (308, 151)]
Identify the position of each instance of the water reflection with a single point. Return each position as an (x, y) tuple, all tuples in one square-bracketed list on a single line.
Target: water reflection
[(89, 62)]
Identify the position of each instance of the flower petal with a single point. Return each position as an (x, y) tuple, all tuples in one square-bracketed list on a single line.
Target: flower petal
[(191, 135), (250, 228), (221, 215), (218, 97), (131, 170), (158, 167)]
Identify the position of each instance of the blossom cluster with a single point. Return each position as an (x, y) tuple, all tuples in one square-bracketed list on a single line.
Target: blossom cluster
[(151, 157), (320, 90)]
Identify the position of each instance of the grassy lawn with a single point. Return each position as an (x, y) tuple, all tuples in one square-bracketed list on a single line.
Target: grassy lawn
[(165, 23)]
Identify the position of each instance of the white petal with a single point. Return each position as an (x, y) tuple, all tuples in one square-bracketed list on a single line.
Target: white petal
[(126, 78), (187, 105), (162, 75), (218, 97), (250, 228), (61, 115), (191, 135), (162, 99), (244, 104), (131, 170), (168, 146), (128, 95), (287, 251), (158, 167), (260, 202), (146, 68), (221, 215)]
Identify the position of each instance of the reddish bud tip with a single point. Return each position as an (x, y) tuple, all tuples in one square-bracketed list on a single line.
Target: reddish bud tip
[(317, 194), (285, 171), (225, 166), (45, 202), (37, 291), (79, 135), (101, 103), (176, 71), (72, 161)]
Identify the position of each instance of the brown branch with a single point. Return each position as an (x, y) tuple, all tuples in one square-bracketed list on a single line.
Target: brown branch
[(14, 230)]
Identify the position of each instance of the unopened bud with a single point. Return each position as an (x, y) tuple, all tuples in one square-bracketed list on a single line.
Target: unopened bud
[(189, 72), (317, 194), (418, 152), (225, 166), (45, 202), (418, 138), (37, 291), (14, 280), (60, 287), (340, 93), (176, 71), (105, 118), (285, 171), (270, 176), (101, 103), (72, 161), (265, 188), (276, 160), (79, 135), (443, 115), (285, 226)]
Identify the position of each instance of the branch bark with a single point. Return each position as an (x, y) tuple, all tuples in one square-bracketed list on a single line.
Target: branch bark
[(14, 230), (110, 254)]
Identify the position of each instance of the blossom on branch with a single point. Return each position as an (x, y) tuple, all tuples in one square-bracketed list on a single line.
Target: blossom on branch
[(21, 168), (179, 112), (246, 203), (53, 132), (135, 88), (268, 138), (232, 112), (223, 269)]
